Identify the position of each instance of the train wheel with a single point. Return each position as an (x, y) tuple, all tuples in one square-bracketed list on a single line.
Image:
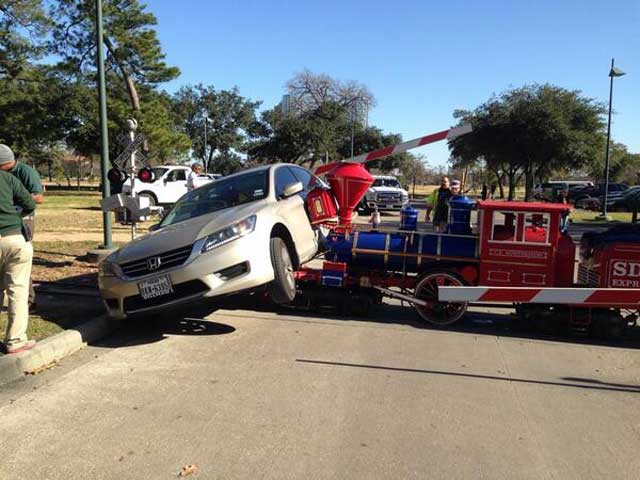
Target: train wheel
[(608, 324), (435, 312)]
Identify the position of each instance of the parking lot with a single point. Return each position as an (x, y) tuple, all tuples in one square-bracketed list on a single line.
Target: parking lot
[(259, 394)]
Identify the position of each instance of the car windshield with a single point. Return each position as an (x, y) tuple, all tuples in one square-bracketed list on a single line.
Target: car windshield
[(224, 193), (386, 182), (160, 171)]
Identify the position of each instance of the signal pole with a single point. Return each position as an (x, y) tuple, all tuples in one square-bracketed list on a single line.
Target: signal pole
[(104, 133)]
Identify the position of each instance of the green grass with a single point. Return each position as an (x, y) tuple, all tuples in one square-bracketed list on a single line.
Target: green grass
[(57, 313), (588, 216), (71, 200), (69, 214)]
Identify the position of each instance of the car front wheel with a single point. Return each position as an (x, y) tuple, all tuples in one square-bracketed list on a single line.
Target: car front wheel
[(283, 287)]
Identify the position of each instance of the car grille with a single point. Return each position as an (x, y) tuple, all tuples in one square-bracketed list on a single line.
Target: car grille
[(588, 276), (170, 259), (389, 198), (180, 291)]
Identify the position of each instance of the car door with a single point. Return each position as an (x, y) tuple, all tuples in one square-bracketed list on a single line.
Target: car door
[(175, 184), (292, 211)]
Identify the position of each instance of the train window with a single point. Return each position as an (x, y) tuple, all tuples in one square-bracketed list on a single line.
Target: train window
[(504, 227), (536, 228)]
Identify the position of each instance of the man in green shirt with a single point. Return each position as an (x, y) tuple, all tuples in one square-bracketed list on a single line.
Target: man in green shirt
[(16, 255), (30, 179)]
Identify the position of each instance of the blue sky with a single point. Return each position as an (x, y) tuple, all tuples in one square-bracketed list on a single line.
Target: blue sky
[(421, 59)]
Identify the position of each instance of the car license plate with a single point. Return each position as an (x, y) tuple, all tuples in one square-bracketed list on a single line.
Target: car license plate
[(155, 287)]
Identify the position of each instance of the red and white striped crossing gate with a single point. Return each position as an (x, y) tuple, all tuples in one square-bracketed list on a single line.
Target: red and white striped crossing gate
[(400, 147), (592, 297)]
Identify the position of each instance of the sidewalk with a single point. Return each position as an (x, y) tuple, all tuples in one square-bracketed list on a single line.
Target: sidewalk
[(63, 325)]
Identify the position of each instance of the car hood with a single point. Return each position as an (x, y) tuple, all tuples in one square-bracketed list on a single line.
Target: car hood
[(185, 233), (386, 190)]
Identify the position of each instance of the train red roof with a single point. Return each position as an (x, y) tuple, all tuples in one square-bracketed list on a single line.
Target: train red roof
[(523, 206)]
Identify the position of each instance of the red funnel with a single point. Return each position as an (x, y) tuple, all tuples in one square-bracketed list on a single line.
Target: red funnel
[(349, 183)]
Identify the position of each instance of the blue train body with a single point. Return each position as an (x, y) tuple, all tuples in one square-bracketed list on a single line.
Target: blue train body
[(399, 251)]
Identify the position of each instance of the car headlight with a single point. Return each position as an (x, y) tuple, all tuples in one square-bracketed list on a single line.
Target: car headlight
[(107, 268), (229, 234), (405, 197)]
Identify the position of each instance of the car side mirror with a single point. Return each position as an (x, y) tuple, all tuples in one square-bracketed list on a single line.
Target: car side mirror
[(154, 227), (292, 189)]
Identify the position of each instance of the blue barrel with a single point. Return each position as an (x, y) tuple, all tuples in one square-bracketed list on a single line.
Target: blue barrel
[(409, 218), (460, 207)]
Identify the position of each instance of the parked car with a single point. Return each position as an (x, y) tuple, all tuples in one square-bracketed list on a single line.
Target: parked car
[(615, 190), (169, 186), (623, 202), (242, 231), (386, 193), (550, 191)]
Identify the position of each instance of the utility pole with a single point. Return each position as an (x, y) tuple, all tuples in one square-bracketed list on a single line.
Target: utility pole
[(206, 159), (104, 133), (614, 72)]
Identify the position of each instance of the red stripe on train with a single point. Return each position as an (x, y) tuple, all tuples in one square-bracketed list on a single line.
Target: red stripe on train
[(618, 297), (508, 295)]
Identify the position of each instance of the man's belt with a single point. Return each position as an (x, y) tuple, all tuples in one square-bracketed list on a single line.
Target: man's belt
[(11, 233)]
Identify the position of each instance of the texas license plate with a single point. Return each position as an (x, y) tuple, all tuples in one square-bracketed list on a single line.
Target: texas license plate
[(155, 287)]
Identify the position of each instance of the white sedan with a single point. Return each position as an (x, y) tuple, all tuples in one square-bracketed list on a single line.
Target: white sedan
[(237, 233)]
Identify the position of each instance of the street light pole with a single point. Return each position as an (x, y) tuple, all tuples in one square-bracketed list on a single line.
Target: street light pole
[(614, 72), (206, 159), (104, 133)]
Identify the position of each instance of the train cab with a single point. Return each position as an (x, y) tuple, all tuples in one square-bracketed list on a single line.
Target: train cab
[(524, 244)]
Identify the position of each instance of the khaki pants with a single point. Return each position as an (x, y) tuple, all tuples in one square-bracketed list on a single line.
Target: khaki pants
[(15, 270)]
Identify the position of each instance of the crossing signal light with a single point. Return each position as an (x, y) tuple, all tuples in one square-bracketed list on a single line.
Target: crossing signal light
[(115, 175), (146, 175)]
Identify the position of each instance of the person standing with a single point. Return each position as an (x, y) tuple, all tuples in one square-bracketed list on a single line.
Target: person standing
[(192, 179), (30, 179), (16, 255), (456, 188), (439, 204), (484, 192)]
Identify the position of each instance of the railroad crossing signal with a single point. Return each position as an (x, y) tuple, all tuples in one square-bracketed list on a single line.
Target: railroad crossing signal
[(131, 147)]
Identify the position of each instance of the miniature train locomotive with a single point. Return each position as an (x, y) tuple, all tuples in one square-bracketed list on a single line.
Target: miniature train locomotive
[(519, 254)]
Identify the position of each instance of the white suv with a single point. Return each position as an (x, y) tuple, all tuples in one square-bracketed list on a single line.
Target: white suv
[(386, 193), (237, 233), (170, 185)]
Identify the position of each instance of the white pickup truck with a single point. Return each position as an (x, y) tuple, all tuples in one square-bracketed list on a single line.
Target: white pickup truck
[(386, 193), (170, 184)]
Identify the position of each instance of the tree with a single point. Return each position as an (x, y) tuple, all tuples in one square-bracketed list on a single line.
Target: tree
[(413, 171), (624, 166), (308, 91), (37, 111), (308, 137), (231, 117), (131, 43), (135, 67), (23, 25), (373, 138), (531, 132)]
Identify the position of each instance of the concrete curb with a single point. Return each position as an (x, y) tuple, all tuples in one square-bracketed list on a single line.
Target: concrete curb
[(55, 348)]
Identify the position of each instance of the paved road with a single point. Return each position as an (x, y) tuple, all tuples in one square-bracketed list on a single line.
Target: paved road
[(247, 394)]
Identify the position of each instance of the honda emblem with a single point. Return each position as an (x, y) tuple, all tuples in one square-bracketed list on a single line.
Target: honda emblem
[(154, 263)]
